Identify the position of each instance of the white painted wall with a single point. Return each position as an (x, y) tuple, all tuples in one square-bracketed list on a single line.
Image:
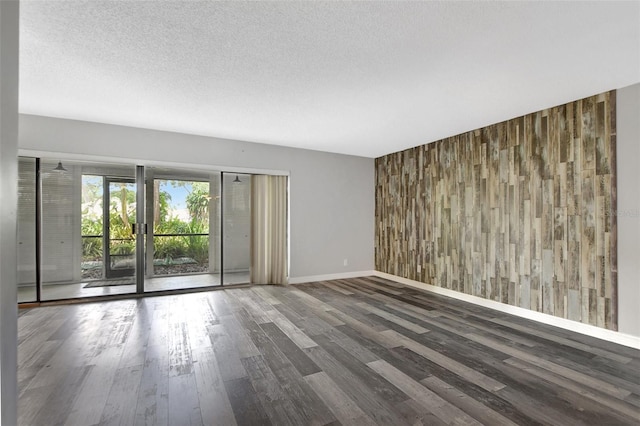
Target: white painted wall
[(628, 138), (8, 206), (331, 195)]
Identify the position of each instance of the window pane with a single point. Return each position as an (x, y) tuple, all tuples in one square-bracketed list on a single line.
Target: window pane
[(74, 260), (236, 222), (182, 206), (26, 230)]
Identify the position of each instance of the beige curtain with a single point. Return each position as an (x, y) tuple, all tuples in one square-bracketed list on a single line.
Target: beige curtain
[(269, 229)]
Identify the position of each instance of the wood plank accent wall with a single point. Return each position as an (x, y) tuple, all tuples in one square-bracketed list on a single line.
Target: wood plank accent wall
[(521, 212)]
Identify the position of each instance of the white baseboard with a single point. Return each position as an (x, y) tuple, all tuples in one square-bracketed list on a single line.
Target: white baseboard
[(340, 276), (578, 327)]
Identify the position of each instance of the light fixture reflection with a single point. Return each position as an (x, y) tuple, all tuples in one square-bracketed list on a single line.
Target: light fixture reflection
[(59, 167)]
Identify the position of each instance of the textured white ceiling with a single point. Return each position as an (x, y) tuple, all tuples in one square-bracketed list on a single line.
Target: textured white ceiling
[(363, 78)]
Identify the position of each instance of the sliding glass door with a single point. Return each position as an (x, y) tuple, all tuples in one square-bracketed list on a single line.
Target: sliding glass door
[(86, 243), (119, 216), (183, 245), (27, 194), (236, 228), (90, 229)]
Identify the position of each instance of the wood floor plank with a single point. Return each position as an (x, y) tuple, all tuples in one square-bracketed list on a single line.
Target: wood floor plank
[(310, 321), (135, 346), (415, 414), (245, 403), (274, 399), (537, 410), (395, 319), (480, 328), (323, 320), (474, 408), (352, 347), (56, 408), (33, 401), (423, 396), (345, 410), (92, 398), (287, 327), (380, 410), (152, 406), (310, 300), (352, 287), (249, 304), (427, 368), (354, 312), (596, 396), (294, 354), (34, 364), (184, 406), (180, 357), (410, 310), (339, 352), (462, 370), (227, 355), (567, 342), (118, 409), (609, 371), (32, 342), (633, 399), (265, 293), (313, 408), (368, 332), (242, 342), (287, 375), (336, 287), (74, 352), (555, 368), (212, 395), (386, 282), (391, 355), (371, 284), (360, 370)]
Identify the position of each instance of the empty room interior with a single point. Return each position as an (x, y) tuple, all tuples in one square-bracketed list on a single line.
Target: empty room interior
[(319, 213)]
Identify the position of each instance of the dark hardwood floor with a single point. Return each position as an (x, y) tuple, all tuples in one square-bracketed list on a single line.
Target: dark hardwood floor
[(343, 352)]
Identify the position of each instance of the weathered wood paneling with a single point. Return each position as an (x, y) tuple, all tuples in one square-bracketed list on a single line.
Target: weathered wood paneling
[(519, 212)]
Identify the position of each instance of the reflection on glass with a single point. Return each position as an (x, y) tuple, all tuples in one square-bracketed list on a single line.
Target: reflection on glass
[(26, 230), (120, 259), (76, 259), (181, 227), (215, 214), (87, 244), (236, 222), (181, 210), (92, 228)]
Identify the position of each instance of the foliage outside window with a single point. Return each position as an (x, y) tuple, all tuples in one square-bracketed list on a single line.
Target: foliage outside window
[(168, 219)]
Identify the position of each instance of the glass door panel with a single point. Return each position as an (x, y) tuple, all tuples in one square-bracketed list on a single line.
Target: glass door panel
[(119, 216), (181, 205), (84, 240), (236, 228), (92, 227), (88, 237), (181, 227), (215, 215), (27, 281)]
